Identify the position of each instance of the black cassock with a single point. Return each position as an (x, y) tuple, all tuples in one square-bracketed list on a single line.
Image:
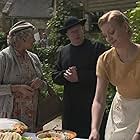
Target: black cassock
[(78, 96)]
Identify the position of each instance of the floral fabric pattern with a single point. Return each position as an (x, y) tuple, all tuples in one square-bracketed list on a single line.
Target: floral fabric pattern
[(25, 108)]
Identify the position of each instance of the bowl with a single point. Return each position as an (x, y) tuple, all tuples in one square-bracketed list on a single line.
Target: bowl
[(56, 135), (50, 136)]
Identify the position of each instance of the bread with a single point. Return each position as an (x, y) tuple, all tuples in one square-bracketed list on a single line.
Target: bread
[(10, 136), (12, 125), (20, 128)]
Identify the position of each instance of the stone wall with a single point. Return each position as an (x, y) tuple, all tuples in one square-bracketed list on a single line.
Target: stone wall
[(2, 2), (6, 22)]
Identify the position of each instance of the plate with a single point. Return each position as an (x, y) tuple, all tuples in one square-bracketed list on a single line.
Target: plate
[(67, 134), (31, 135), (79, 139), (15, 125), (6, 123)]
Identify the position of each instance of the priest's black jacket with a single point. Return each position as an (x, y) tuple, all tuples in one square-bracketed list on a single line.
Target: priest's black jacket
[(78, 96)]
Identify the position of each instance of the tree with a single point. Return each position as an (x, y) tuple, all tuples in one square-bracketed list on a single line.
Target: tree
[(134, 18), (54, 24), (55, 39)]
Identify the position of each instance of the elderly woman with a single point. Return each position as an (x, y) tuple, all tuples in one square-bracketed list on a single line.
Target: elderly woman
[(20, 76), (120, 66)]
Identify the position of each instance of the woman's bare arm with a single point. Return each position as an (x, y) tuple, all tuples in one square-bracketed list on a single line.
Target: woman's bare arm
[(98, 107), (137, 134)]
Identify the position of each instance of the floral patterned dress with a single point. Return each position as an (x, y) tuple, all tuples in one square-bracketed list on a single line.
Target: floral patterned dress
[(25, 108)]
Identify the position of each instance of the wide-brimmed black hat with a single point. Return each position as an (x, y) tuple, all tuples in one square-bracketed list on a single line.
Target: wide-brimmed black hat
[(70, 22)]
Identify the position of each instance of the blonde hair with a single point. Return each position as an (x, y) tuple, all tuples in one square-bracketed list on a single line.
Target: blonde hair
[(117, 16)]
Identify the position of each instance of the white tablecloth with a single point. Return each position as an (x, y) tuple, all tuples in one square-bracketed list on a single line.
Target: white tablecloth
[(32, 135)]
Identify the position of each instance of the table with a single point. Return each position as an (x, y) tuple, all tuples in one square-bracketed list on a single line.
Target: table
[(33, 136), (79, 139)]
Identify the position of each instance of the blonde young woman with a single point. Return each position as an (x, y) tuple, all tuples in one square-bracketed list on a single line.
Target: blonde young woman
[(120, 66), (20, 76)]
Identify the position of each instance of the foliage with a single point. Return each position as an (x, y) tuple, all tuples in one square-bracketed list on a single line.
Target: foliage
[(56, 40), (134, 18), (54, 24), (3, 40), (110, 95), (43, 54)]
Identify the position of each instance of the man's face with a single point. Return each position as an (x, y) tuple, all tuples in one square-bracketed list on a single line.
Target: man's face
[(76, 34)]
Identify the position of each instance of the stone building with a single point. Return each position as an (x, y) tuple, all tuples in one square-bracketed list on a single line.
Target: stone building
[(35, 11), (39, 11), (95, 8)]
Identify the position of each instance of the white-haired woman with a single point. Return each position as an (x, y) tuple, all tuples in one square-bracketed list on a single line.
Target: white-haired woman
[(20, 76)]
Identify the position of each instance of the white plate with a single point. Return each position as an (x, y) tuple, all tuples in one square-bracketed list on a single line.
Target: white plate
[(32, 135), (79, 139), (6, 123)]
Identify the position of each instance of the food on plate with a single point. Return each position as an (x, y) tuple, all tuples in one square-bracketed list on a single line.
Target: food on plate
[(69, 134), (12, 125), (12, 136), (56, 135), (50, 136), (20, 127), (12, 129), (26, 138)]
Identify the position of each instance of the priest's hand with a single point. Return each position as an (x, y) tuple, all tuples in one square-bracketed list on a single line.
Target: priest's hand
[(71, 74)]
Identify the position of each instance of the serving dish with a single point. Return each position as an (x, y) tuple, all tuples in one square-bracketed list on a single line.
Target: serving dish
[(56, 135), (12, 125), (12, 129)]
